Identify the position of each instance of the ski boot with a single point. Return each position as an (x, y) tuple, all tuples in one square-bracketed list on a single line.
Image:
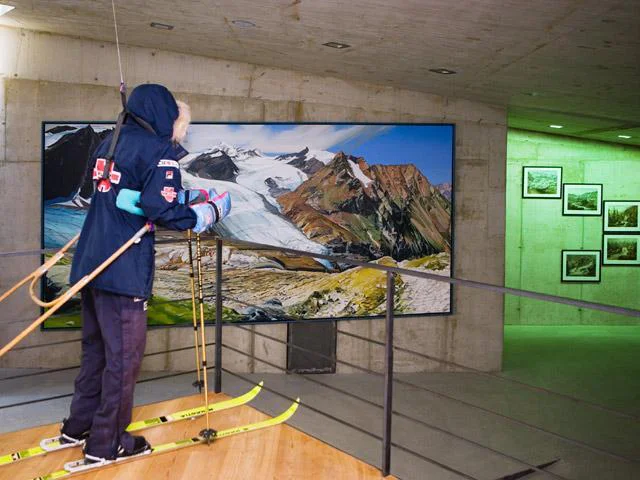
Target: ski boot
[(140, 447), (65, 440), (68, 438)]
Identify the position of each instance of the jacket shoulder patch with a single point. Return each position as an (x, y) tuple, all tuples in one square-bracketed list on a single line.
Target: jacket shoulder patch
[(168, 163), (169, 194)]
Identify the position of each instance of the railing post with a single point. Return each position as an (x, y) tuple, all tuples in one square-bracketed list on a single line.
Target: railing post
[(388, 378), (217, 385)]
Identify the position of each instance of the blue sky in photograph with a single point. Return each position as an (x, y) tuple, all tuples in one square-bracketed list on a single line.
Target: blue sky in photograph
[(429, 147)]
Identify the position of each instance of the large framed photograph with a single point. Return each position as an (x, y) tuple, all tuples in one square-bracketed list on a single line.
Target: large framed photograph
[(622, 216), (621, 249), (373, 192), (541, 182), (582, 199), (581, 266)]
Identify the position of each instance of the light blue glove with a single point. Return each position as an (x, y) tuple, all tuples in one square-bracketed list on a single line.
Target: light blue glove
[(222, 203), (194, 196), (206, 216), (212, 212), (129, 201)]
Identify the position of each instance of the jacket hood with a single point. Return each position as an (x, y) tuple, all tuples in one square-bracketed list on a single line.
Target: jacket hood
[(155, 104)]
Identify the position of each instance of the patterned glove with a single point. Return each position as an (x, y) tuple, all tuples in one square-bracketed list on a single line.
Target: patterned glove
[(194, 196), (211, 212)]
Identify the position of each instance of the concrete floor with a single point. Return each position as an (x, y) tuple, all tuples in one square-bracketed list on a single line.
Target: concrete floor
[(599, 429)]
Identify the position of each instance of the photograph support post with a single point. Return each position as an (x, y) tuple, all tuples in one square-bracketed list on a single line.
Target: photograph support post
[(388, 377), (218, 345)]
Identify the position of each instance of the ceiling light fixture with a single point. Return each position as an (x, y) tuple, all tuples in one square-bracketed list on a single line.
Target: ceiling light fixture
[(556, 126), (243, 23), (5, 9), (337, 45), (624, 136), (161, 26), (443, 71)]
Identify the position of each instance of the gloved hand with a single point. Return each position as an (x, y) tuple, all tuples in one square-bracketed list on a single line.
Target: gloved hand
[(206, 216), (212, 212), (194, 196), (129, 201), (222, 203)]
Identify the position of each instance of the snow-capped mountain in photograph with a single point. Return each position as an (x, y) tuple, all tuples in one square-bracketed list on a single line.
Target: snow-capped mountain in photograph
[(269, 175)]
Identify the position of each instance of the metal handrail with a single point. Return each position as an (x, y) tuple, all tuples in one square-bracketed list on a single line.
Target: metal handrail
[(441, 278), (398, 270)]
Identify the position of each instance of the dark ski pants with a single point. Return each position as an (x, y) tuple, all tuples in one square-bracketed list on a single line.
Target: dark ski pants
[(114, 331)]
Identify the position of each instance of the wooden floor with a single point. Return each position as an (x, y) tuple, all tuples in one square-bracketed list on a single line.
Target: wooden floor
[(280, 452)]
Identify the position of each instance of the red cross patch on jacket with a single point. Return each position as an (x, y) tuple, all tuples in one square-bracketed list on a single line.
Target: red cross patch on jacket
[(169, 194), (104, 184)]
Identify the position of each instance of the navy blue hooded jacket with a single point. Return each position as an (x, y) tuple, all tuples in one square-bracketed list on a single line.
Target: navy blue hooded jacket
[(147, 163)]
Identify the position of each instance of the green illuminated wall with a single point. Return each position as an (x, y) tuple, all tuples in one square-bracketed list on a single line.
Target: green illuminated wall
[(536, 231)]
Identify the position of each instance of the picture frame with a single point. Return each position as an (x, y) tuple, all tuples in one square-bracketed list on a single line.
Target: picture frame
[(541, 182), (621, 216), (581, 266), (235, 156), (620, 250), (582, 199)]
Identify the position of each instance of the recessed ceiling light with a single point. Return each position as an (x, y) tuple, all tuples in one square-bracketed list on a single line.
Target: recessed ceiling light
[(161, 26), (624, 136), (556, 126), (443, 71), (5, 9), (243, 23), (337, 45)]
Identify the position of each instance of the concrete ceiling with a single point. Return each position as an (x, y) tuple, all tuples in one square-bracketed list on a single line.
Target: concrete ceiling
[(573, 62)]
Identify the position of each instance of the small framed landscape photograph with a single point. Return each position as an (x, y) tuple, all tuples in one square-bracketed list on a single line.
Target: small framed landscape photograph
[(620, 249), (621, 216), (580, 266), (541, 182), (583, 199)]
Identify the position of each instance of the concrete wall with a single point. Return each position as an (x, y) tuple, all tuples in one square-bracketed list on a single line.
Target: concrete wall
[(53, 77), (537, 231)]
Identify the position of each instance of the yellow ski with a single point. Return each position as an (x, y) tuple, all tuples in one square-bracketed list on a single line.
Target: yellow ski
[(53, 444), (79, 466)]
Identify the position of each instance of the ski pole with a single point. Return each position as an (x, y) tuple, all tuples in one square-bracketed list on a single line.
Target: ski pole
[(76, 288), (198, 382), (34, 297), (41, 270), (207, 433)]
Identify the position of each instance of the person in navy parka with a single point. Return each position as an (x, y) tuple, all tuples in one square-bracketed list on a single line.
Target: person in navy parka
[(114, 304)]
